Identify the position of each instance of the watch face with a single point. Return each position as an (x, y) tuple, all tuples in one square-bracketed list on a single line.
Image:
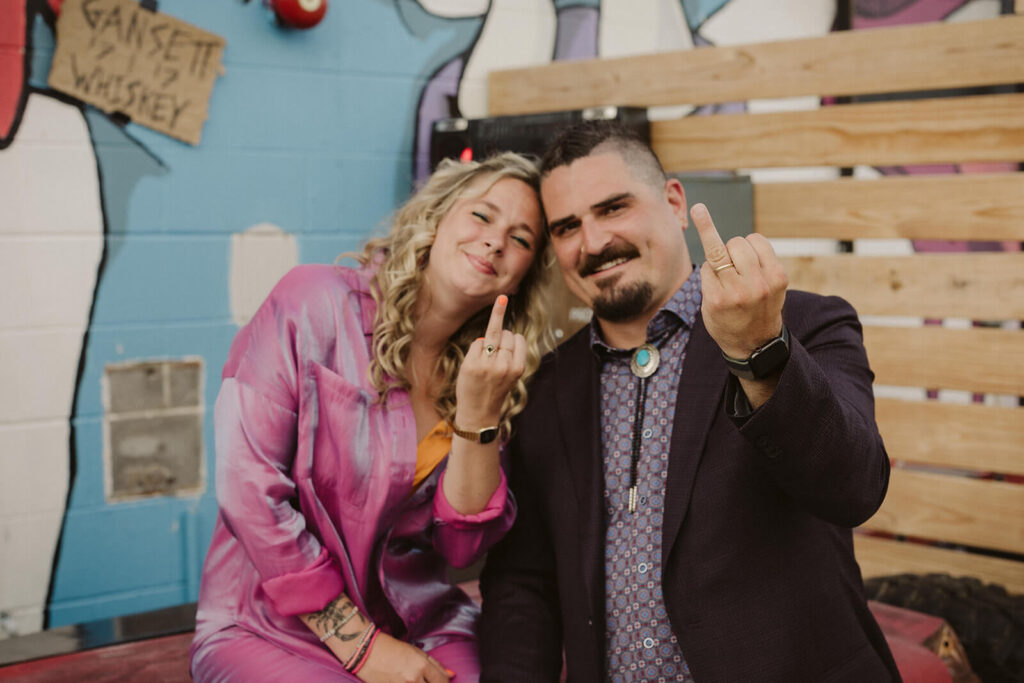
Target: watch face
[(488, 435), (767, 360)]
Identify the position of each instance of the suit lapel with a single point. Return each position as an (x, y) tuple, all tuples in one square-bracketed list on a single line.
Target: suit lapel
[(700, 397), (577, 405)]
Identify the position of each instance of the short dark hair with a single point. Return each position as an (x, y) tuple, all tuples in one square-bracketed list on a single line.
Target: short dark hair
[(581, 140)]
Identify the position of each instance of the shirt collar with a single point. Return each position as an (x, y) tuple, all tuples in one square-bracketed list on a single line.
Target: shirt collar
[(680, 310)]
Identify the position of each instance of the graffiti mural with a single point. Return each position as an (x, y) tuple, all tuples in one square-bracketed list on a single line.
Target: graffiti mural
[(130, 259), (51, 253)]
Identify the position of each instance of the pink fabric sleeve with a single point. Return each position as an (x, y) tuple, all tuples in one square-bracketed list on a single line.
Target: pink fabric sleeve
[(255, 441), (463, 539)]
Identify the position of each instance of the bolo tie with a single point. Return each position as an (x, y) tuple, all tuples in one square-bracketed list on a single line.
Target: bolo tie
[(643, 363)]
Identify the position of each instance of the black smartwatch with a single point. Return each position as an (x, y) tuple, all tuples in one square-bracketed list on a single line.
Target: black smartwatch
[(764, 361), (485, 435)]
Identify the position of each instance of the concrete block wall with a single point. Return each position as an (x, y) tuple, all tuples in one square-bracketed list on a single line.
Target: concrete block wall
[(123, 252), (128, 260)]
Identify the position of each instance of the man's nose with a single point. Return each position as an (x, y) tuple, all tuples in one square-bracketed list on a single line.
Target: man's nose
[(594, 237)]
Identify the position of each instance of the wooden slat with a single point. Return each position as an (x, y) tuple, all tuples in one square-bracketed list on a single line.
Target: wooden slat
[(945, 130), (982, 286), (968, 437), (977, 359), (987, 206), (975, 512), (923, 57), (882, 557)]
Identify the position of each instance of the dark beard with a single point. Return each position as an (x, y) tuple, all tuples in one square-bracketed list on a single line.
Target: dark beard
[(618, 304)]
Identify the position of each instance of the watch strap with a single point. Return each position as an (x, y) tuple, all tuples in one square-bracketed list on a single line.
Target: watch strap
[(482, 436), (764, 361)]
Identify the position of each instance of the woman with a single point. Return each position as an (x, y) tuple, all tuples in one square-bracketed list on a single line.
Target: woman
[(340, 400)]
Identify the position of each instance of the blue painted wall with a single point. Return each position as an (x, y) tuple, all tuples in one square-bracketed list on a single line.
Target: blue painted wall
[(309, 130)]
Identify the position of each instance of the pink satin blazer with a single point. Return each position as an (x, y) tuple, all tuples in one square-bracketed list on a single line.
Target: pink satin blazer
[(313, 479)]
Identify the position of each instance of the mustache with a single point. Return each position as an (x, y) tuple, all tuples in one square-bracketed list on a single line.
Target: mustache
[(591, 262)]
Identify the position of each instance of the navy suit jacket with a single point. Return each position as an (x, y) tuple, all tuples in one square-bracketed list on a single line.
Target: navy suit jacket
[(758, 572)]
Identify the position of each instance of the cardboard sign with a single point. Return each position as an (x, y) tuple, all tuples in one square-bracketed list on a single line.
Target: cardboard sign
[(120, 57)]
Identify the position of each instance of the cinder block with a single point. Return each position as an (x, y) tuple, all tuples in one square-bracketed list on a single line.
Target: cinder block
[(25, 564), (22, 621), (185, 381), (326, 207), (370, 195), (38, 369), (260, 256), (52, 150), (135, 386), (33, 469), (160, 279), (317, 93), (52, 122), (54, 279), (257, 186), (123, 548), (155, 455), (378, 103)]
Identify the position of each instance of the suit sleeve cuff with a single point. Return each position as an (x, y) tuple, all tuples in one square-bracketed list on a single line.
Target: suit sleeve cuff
[(308, 590)]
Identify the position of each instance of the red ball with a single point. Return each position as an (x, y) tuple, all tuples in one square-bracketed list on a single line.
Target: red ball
[(300, 13)]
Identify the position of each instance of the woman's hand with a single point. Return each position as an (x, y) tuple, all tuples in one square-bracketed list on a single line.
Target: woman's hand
[(393, 661), (493, 364)]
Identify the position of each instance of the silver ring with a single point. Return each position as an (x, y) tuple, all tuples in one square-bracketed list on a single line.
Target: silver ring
[(730, 264), (489, 349)]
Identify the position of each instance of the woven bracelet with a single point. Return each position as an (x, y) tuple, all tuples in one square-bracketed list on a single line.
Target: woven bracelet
[(366, 652), (354, 659)]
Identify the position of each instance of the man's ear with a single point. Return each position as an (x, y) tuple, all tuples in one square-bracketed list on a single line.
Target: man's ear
[(675, 195)]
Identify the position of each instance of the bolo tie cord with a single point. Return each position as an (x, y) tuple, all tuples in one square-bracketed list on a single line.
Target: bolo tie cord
[(638, 424)]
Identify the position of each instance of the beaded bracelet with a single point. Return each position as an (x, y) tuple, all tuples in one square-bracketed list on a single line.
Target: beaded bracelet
[(366, 654), (359, 651), (364, 651)]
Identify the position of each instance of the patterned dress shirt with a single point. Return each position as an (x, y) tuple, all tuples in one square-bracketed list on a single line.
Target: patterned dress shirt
[(640, 642)]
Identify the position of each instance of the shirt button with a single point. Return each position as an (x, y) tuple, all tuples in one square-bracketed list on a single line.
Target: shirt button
[(642, 567), (648, 433), (648, 643)]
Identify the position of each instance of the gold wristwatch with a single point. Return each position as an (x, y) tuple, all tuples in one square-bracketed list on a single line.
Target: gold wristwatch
[(485, 435)]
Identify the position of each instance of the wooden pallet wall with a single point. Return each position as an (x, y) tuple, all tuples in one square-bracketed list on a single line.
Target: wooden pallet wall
[(954, 504)]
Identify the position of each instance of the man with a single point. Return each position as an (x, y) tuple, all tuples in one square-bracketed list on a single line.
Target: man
[(689, 466)]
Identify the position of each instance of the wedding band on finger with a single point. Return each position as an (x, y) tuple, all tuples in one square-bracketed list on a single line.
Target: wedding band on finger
[(730, 264), (489, 349)]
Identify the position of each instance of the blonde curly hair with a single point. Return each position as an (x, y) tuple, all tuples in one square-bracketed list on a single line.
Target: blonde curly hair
[(400, 259)]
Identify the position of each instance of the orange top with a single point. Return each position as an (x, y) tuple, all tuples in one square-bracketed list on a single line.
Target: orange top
[(431, 451)]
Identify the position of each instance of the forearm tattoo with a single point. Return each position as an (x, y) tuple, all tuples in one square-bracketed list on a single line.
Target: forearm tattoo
[(338, 613)]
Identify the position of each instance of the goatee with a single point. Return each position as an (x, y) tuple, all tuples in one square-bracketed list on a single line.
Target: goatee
[(618, 304)]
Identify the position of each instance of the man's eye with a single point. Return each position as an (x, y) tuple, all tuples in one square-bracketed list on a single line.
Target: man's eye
[(562, 229), (613, 208)]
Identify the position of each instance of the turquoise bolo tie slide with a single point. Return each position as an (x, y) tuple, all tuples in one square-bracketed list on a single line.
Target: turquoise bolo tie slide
[(645, 360)]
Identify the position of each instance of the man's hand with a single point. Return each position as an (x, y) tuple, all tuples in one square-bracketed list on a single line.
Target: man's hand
[(743, 287)]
